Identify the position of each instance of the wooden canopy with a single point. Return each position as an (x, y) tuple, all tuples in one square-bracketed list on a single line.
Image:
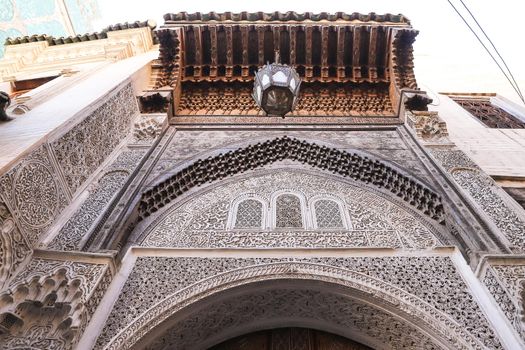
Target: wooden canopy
[(329, 51)]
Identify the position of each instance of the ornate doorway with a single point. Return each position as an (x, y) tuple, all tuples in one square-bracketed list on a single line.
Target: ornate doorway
[(290, 339)]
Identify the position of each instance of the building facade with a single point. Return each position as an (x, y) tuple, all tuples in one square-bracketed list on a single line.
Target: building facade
[(147, 202)]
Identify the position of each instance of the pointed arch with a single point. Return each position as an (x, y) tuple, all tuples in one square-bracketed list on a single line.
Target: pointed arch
[(408, 311), (346, 164)]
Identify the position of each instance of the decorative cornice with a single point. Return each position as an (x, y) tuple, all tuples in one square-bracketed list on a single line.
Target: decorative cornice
[(103, 34), (290, 16)]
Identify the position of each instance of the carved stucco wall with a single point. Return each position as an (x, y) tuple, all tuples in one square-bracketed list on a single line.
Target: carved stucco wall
[(506, 283), (13, 246), (112, 179), (36, 189), (82, 149), (507, 216), (504, 279), (377, 220), (428, 288), (100, 193)]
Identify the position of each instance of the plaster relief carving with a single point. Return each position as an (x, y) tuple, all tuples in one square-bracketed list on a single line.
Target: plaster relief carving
[(83, 148), (297, 305), (249, 214), (70, 236), (345, 164), (147, 129), (428, 125), (79, 225), (485, 193), (202, 222), (36, 194), (392, 276), (33, 190), (506, 283), (386, 144)]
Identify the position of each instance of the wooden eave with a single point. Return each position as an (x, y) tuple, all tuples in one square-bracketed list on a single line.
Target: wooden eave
[(324, 49)]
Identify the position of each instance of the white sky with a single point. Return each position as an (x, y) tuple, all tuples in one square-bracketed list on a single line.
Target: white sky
[(447, 56)]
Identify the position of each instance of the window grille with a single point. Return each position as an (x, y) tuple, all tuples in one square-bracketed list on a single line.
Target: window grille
[(288, 212), (328, 214), (249, 214), (489, 114)]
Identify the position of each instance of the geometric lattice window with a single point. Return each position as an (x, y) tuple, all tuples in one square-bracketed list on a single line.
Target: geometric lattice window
[(249, 214), (288, 212), (489, 114), (327, 214)]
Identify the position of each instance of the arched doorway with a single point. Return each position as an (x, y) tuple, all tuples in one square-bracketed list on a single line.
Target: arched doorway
[(298, 295), (289, 339)]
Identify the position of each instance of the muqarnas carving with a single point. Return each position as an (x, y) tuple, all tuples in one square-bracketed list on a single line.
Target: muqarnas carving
[(211, 219), (45, 305), (355, 166)]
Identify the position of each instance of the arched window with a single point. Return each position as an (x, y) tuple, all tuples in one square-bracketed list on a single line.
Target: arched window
[(328, 214), (249, 214), (288, 211)]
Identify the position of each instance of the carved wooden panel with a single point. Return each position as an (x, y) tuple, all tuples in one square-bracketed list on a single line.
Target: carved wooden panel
[(290, 339), (489, 114), (216, 51), (228, 99)]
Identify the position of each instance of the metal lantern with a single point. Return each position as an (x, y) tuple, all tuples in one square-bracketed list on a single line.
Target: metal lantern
[(276, 88)]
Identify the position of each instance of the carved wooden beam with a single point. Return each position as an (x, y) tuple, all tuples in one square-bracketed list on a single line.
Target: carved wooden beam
[(245, 63), (372, 52), (229, 51), (340, 52), (324, 52), (308, 54), (260, 37), (356, 54), (197, 72), (292, 32), (214, 51), (277, 41)]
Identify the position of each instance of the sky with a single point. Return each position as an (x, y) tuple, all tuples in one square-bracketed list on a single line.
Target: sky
[(448, 57)]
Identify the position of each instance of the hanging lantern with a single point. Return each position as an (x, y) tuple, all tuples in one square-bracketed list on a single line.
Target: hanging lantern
[(276, 88)]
